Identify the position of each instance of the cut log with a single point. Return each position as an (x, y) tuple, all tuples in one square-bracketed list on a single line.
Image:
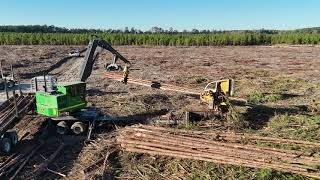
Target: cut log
[(43, 167), (201, 146)]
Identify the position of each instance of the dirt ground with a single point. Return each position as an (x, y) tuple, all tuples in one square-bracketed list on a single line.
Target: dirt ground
[(175, 62), (282, 82)]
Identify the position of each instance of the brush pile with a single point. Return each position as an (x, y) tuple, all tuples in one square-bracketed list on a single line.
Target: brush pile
[(222, 147)]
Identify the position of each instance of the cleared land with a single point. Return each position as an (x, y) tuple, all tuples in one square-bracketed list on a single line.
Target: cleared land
[(281, 81)]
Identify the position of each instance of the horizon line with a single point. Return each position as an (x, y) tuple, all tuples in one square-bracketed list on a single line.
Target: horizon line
[(123, 28)]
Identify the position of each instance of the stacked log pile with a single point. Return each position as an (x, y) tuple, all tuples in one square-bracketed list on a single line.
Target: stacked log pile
[(12, 111), (219, 147)]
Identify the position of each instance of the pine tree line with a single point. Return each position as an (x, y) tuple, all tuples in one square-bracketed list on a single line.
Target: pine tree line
[(181, 39)]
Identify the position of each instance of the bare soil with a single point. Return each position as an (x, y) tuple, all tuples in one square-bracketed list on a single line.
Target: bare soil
[(174, 62)]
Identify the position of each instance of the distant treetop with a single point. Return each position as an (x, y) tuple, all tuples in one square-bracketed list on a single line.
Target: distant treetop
[(127, 30)]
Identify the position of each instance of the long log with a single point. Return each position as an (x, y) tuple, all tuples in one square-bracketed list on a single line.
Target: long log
[(232, 135), (26, 134), (9, 164), (98, 162), (184, 145), (25, 161), (235, 161), (8, 160), (57, 173), (8, 104), (14, 160), (190, 156), (248, 147), (221, 157), (227, 153), (147, 83), (296, 155), (43, 167), (225, 150), (185, 139), (93, 165)]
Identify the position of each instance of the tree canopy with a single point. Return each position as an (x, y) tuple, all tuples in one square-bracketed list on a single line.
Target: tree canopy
[(51, 35)]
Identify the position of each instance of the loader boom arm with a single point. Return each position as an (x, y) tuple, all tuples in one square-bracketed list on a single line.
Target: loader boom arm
[(90, 57)]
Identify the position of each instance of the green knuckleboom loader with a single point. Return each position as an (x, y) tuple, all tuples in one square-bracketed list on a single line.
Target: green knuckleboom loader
[(64, 103)]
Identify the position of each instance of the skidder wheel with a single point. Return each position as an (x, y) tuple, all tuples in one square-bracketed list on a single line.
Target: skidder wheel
[(5, 145), (78, 128), (1, 85), (62, 128), (11, 84), (12, 136)]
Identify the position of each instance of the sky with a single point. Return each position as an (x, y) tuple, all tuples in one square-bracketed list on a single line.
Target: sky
[(178, 14)]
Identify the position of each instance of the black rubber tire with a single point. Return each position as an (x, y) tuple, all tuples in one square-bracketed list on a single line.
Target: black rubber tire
[(11, 84), (78, 128), (2, 86), (5, 145), (13, 136), (62, 128)]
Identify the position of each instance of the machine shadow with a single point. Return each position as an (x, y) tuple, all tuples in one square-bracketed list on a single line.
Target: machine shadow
[(74, 144), (141, 118), (98, 92), (29, 75), (259, 115), (284, 96)]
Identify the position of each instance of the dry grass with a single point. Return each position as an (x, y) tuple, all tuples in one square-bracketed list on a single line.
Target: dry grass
[(283, 83)]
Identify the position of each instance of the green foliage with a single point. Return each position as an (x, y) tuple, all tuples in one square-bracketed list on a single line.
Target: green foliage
[(178, 39), (272, 98), (271, 174), (235, 119), (255, 97), (299, 126), (44, 29), (259, 97)]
